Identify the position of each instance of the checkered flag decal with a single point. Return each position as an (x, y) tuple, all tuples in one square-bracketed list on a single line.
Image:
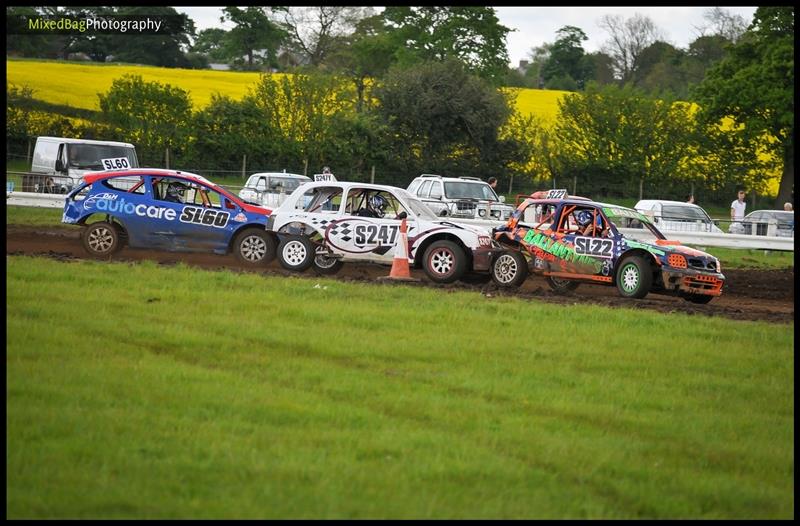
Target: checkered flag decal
[(341, 230)]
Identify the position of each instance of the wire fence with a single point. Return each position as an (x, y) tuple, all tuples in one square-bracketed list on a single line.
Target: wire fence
[(234, 174)]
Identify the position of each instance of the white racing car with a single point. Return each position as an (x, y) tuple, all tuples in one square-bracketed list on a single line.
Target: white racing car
[(325, 223)]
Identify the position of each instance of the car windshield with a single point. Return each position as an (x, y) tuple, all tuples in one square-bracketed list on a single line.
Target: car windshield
[(632, 224), (469, 190), (684, 213), (287, 184), (780, 216), (89, 156)]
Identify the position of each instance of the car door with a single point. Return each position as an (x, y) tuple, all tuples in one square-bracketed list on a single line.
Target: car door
[(200, 223), (367, 238), (573, 253)]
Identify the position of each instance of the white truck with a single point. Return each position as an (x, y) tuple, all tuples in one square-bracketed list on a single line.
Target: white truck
[(59, 163)]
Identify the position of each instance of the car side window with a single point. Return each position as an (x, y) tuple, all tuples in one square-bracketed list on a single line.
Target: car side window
[(125, 184), (261, 184), (322, 199), (436, 190), (424, 189), (413, 186)]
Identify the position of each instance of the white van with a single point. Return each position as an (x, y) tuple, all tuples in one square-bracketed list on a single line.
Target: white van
[(62, 162)]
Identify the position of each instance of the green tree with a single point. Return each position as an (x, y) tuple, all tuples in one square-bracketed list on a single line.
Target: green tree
[(566, 56), (211, 43), (754, 85), (471, 34), (300, 109), (621, 131), (440, 117), (165, 49), (152, 115), (254, 32), (367, 53)]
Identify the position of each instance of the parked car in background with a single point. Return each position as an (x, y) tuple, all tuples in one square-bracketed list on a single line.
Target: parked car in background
[(270, 189), (677, 216), (760, 220), (325, 223), (573, 240), (460, 197), (168, 210)]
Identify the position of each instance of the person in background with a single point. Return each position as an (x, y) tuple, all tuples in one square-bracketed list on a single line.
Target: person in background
[(788, 207), (737, 210), (326, 169), (493, 183), (690, 199)]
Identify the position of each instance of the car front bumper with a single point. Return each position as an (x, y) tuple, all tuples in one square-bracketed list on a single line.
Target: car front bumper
[(693, 281), (482, 257)]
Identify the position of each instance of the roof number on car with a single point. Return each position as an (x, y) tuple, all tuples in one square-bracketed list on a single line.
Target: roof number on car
[(116, 163), (324, 177), (557, 194)]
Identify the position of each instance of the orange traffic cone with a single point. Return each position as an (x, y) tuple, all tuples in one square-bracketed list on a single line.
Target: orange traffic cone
[(400, 270)]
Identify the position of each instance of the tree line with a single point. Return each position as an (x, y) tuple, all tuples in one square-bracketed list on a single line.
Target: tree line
[(410, 91)]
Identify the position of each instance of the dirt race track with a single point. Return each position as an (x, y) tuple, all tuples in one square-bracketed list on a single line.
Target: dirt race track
[(763, 295)]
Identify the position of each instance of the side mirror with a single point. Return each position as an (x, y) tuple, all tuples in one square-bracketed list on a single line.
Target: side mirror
[(502, 199), (59, 165), (402, 215), (229, 205)]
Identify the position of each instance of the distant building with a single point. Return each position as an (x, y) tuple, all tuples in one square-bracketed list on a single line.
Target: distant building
[(220, 67), (523, 66)]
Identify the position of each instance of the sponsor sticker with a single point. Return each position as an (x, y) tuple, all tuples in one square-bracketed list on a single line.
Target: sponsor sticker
[(240, 218)]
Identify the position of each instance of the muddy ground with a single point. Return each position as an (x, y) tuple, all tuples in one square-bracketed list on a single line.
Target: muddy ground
[(763, 295)]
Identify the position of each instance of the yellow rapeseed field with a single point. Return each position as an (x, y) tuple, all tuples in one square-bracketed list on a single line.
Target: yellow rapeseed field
[(77, 84)]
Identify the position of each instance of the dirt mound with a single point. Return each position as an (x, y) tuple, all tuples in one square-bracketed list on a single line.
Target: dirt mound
[(763, 295)]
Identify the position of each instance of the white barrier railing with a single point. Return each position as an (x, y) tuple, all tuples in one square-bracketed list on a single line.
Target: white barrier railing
[(35, 199)]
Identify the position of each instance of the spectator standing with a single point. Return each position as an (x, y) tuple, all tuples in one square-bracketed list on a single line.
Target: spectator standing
[(690, 199), (788, 207), (493, 183), (737, 210)]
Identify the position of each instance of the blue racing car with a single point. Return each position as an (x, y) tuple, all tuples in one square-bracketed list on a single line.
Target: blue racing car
[(169, 210)]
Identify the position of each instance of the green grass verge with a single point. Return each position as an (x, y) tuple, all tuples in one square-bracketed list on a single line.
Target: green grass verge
[(147, 391)]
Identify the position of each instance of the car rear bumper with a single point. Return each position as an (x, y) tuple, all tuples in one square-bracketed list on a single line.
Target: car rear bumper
[(693, 281)]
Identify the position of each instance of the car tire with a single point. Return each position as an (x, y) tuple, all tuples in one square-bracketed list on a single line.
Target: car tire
[(700, 299), (101, 239), (254, 247), (509, 269), (327, 266), (561, 286), (296, 253), (444, 262), (634, 277)]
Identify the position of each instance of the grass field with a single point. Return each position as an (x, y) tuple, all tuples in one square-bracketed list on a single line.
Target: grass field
[(143, 391)]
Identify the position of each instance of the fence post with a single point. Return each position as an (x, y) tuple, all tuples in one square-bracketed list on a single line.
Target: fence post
[(244, 165), (510, 183), (166, 154), (575, 185), (305, 167), (641, 188), (372, 175), (29, 152)]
